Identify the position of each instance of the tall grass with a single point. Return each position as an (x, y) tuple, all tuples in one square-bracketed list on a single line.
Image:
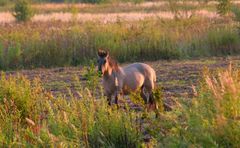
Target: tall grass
[(30, 116), (210, 119), (32, 45)]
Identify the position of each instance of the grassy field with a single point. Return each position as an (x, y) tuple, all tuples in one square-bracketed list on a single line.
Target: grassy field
[(72, 114), (51, 44), (112, 7), (51, 95)]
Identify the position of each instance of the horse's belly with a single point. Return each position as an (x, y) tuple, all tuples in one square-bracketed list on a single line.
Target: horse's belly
[(133, 82)]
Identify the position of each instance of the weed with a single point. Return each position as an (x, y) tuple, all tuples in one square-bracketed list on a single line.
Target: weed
[(22, 10)]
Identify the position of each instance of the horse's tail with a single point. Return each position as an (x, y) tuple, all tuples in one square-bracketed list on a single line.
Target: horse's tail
[(154, 79)]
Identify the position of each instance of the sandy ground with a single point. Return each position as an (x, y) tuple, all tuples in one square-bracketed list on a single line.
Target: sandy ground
[(6, 17)]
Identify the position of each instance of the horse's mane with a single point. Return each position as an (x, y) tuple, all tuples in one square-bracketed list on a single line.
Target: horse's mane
[(113, 63)]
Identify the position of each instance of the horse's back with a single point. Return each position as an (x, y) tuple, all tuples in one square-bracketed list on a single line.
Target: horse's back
[(142, 73), (140, 67)]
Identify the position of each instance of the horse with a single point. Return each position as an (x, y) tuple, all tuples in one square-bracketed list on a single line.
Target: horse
[(124, 80)]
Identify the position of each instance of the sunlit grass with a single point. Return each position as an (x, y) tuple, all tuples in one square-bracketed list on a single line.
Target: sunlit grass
[(54, 44), (31, 116)]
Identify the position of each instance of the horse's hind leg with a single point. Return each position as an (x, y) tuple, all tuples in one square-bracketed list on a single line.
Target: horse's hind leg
[(149, 86), (143, 95), (151, 98)]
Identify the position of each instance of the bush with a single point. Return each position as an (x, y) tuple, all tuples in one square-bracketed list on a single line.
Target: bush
[(223, 7), (23, 10)]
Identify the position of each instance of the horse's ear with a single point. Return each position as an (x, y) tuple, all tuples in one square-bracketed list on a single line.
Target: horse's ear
[(99, 52), (102, 53)]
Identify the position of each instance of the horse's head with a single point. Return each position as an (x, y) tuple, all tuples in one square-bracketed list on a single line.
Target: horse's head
[(102, 61)]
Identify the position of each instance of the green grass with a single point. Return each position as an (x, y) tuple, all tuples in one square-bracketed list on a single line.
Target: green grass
[(32, 117), (52, 44)]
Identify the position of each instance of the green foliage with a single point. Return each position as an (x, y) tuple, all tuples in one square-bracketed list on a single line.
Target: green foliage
[(1, 56), (32, 45), (13, 56), (114, 129), (92, 77), (224, 7), (236, 11), (214, 113), (224, 41), (137, 1), (3, 2), (180, 9), (211, 119), (158, 98), (22, 10), (30, 116), (90, 1), (215, 42)]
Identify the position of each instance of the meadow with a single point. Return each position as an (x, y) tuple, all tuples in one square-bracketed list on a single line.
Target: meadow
[(55, 44), (51, 95)]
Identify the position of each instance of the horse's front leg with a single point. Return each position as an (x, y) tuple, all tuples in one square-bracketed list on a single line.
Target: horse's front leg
[(116, 99), (116, 95), (109, 99)]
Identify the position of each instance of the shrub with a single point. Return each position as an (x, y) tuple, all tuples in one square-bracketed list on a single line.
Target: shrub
[(23, 10), (223, 7)]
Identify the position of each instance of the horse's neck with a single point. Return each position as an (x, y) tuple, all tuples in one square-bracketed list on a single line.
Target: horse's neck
[(114, 73), (118, 72)]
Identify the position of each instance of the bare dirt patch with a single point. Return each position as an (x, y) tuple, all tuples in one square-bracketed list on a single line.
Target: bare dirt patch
[(175, 77)]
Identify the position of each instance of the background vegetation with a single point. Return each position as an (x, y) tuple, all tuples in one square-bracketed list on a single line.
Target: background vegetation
[(53, 44), (31, 116)]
